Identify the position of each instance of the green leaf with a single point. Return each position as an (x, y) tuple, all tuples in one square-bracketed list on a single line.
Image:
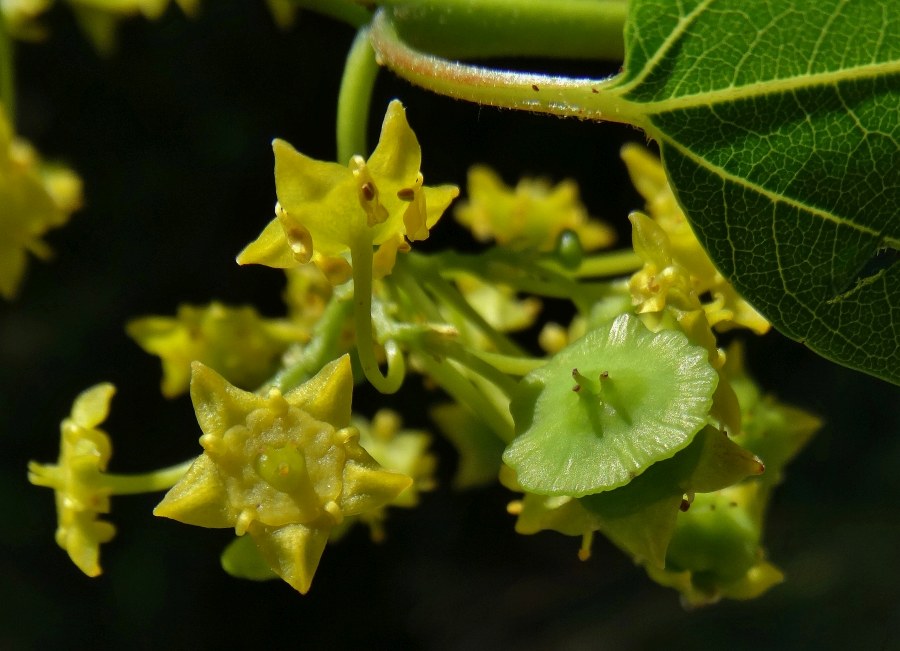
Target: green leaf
[(779, 126), (641, 397)]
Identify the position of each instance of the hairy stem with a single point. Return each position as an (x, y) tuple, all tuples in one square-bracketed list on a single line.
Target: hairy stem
[(591, 99)]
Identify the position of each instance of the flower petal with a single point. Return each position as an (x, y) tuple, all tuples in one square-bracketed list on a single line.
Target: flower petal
[(217, 403), (326, 396), (270, 248), (92, 406), (293, 552), (397, 157), (199, 498)]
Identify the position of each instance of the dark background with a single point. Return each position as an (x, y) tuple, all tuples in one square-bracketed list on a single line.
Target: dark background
[(171, 137)]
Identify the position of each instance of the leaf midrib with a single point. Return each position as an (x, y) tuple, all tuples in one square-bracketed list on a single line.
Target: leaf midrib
[(760, 89)]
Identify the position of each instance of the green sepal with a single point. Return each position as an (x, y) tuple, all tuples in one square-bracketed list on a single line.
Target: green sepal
[(242, 560)]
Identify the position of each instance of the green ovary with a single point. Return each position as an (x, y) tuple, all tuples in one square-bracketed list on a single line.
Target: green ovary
[(284, 469)]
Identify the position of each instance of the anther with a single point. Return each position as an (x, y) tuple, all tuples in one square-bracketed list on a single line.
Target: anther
[(368, 191)]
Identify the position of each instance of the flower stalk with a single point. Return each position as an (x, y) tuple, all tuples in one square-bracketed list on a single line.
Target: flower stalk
[(354, 98)]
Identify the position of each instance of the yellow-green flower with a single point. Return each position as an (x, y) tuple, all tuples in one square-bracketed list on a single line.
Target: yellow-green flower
[(498, 305), (284, 468), (235, 341), (76, 478), (661, 281), (716, 551), (727, 309), (284, 12), (530, 216), (21, 16), (561, 513), (97, 18), (325, 210), (306, 294), (35, 197)]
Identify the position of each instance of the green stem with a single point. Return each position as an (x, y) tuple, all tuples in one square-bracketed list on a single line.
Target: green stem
[(426, 271), (321, 349), (7, 72), (465, 29), (614, 263), (345, 11), (509, 364), (411, 286), (354, 98), (468, 395), (361, 259), (592, 99), (148, 482), (473, 362), (521, 273)]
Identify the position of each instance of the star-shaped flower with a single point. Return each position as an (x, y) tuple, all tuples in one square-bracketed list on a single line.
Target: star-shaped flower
[(683, 251), (81, 494), (235, 341), (325, 210), (530, 216), (284, 468)]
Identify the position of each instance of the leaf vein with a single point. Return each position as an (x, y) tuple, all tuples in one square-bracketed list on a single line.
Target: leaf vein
[(774, 197)]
